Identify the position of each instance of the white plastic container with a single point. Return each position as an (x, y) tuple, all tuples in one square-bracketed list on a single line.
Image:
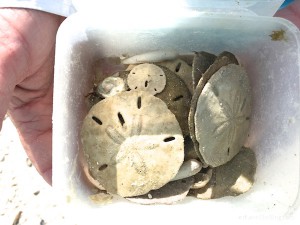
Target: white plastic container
[(241, 27)]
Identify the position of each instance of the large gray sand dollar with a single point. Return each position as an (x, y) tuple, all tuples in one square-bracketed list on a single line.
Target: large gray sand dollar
[(222, 115), (224, 59)]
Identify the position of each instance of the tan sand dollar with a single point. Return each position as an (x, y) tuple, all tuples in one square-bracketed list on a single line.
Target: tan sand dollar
[(147, 77), (222, 115), (133, 143)]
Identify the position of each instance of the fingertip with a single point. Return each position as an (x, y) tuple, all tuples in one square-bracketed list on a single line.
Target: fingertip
[(47, 175), (2, 118)]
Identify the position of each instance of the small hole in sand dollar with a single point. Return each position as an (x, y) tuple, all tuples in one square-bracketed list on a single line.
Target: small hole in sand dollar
[(139, 102), (97, 120), (103, 167), (177, 98), (168, 139), (121, 119), (178, 67)]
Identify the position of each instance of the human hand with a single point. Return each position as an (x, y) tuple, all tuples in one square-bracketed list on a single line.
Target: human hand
[(27, 43), (291, 12)]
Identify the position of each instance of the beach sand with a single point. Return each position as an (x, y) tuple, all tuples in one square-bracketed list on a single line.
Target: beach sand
[(25, 198)]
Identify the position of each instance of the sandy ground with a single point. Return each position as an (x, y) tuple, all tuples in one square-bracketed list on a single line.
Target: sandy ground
[(23, 192)]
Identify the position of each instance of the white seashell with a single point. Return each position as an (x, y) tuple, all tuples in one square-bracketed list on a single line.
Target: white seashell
[(111, 86), (188, 168), (151, 57)]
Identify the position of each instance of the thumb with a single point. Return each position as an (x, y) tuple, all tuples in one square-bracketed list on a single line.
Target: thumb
[(13, 60), (291, 12)]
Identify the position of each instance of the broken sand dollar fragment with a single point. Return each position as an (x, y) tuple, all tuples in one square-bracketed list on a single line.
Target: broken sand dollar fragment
[(147, 77), (222, 116), (202, 178), (231, 179), (188, 168), (133, 143), (168, 194)]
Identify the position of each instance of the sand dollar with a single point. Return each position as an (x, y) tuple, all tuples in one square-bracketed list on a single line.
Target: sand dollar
[(181, 69), (223, 59), (201, 62), (222, 115), (132, 143), (189, 149), (202, 178), (231, 179), (147, 77), (188, 58), (177, 97), (169, 194), (188, 169)]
